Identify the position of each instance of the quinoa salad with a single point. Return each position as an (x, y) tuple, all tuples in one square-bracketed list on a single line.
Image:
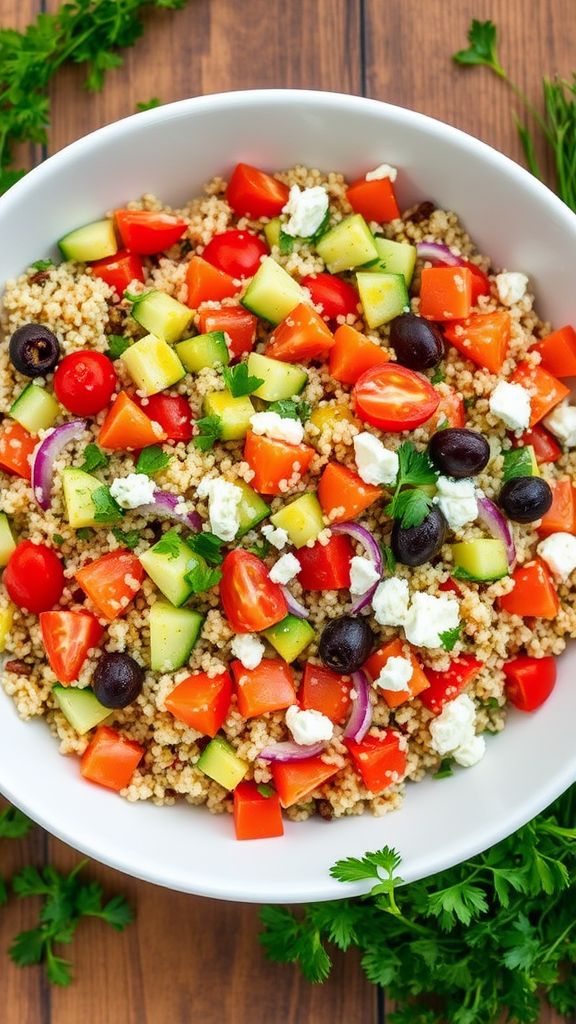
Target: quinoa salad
[(287, 506)]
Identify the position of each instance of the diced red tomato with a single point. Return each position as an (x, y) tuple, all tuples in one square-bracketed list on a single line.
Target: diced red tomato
[(302, 335), (111, 582), (253, 193), (377, 661), (84, 382), (68, 636), (534, 593), (336, 296), (127, 427), (34, 577), (529, 681), (237, 253), (353, 354), (380, 760), (545, 447), (445, 293), (326, 566), (480, 282), (269, 687), (558, 351), (296, 780), (206, 283), (444, 686), (323, 690), (343, 494), (16, 449), (201, 701), (561, 516), (235, 321), (450, 587), (147, 231), (273, 462), (256, 815), (450, 410), (483, 338), (545, 390), (119, 271), (392, 397), (172, 412), (375, 200), (110, 759), (250, 599)]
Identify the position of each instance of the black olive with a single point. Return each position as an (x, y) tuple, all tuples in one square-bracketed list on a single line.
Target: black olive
[(117, 680), (459, 452), (34, 350), (418, 344), (415, 545), (525, 498), (346, 643)]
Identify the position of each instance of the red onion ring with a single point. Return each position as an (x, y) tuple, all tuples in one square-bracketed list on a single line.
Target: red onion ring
[(361, 715), (165, 504), (498, 527), (435, 252), (288, 751), (294, 606), (372, 549), (45, 455)]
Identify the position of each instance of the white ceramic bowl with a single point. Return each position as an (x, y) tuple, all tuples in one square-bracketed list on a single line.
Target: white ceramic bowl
[(522, 226)]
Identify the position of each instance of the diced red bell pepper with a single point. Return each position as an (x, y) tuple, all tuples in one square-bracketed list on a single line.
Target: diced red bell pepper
[(253, 193), (545, 390), (545, 447), (416, 685), (450, 412), (558, 351), (380, 760), (529, 681), (296, 780), (274, 462), (483, 338), (326, 566), (450, 587), (268, 687), (375, 200), (445, 293), (445, 686), (119, 271), (534, 593), (302, 335), (16, 449), (561, 516), (480, 282), (256, 815), (127, 427), (235, 321), (353, 354), (202, 701), (326, 691), (148, 231), (111, 581), (110, 759), (207, 283), (343, 494)]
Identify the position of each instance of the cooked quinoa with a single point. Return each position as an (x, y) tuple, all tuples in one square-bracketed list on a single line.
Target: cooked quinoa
[(83, 311)]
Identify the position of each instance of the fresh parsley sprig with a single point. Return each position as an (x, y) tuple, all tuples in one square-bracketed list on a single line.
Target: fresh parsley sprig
[(238, 380), (209, 431), (202, 577), (152, 459), (416, 470), (450, 637), (208, 546), (288, 409), (117, 345), (106, 509), (94, 458)]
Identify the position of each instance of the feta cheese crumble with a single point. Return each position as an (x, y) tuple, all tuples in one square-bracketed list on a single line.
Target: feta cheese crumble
[(275, 536), (363, 575), (429, 616), (559, 552), (223, 501), (395, 675), (456, 499), (562, 423), (511, 287), (511, 404), (133, 490), (285, 569), (279, 428), (248, 648), (306, 209), (308, 727), (453, 732), (382, 171), (376, 464), (390, 602)]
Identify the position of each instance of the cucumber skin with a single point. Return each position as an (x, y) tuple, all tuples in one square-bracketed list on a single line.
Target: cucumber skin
[(220, 762)]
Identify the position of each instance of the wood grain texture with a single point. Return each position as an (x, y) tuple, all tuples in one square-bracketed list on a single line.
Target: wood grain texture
[(190, 960)]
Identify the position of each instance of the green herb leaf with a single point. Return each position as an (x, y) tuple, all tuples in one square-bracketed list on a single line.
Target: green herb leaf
[(265, 790), (260, 549), (149, 104), (438, 376), (127, 538), (445, 770), (483, 47), (94, 458), (410, 507), (415, 467), (443, 425), (14, 824), (42, 265), (152, 459), (238, 380), (169, 544), (210, 428), (389, 559), (117, 345), (208, 546), (450, 637), (285, 243), (106, 509), (288, 409), (58, 539), (470, 402), (85, 533), (202, 578)]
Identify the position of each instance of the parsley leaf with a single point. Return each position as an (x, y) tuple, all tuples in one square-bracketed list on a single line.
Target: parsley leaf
[(202, 578), (438, 376), (288, 409), (411, 507), (169, 544), (285, 243), (128, 538), (238, 380), (260, 549), (450, 637), (389, 559), (117, 345), (208, 546), (107, 510), (482, 38), (42, 265), (58, 539), (414, 467), (210, 428), (94, 458), (149, 104), (152, 459), (265, 790), (14, 824), (85, 532), (445, 770)]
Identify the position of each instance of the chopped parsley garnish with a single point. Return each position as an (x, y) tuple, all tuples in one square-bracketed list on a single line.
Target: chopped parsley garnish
[(208, 546), (288, 409), (415, 468), (450, 637), (210, 428), (150, 104), (285, 243), (445, 770), (85, 532), (94, 458), (389, 559), (106, 509), (129, 538), (152, 459), (42, 265), (117, 345), (265, 790), (202, 578), (260, 549), (58, 539), (438, 376), (238, 380), (169, 544)]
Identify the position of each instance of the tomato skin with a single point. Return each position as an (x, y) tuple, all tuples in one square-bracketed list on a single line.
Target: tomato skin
[(201, 701), (272, 462), (529, 681), (84, 382), (444, 686), (250, 599), (105, 581), (379, 760), (353, 354), (268, 687), (236, 322), (34, 577), (68, 636), (147, 232), (483, 338), (337, 297), (237, 253), (545, 447), (377, 661), (343, 494), (546, 391), (326, 566), (375, 200), (256, 816), (296, 779), (326, 691), (119, 271), (128, 427), (16, 449), (301, 336), (110, 759), (534, 592), (253, 193), (173, 413), (392, 397)]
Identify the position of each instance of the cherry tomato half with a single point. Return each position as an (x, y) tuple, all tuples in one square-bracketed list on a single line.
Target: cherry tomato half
[(253, 193), (68, 636), (173, 413), (84, 382), (250, 599), (337, 297), (237, 253), (529, 681), (392, 397), (34, 577)]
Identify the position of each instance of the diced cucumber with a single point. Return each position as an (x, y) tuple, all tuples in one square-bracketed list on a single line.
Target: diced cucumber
[(327, 416), (78, 488), (173, 635), (395, 258), (520, 462), (272, 232), (163, 316), (383, 297), (35, 409), (290, 637), (482, 560), (220, 762), (205, 350), (272, 293), (302, 519), (234, 413), (6, 619), (80, 707), (7, 542), (347, 245), (91, 242), (251, 510), (152, 364), (167, 563), (281, 380)]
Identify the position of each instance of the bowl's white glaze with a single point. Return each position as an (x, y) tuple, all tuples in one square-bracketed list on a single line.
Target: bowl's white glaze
[(522, 226)]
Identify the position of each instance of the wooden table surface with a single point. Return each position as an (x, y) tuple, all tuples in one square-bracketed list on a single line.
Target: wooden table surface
[(189, 959)]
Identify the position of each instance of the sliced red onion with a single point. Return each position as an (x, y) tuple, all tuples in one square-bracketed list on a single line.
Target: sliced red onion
[(166, 504), (294, 606), (498, 526), (374, 553), (361, 715), (288, 751), (45, 455), (435, 252)]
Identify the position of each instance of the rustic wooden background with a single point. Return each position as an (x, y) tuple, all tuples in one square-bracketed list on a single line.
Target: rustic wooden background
[(188, 959)]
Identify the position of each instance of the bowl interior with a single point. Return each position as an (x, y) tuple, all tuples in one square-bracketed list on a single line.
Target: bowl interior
[(522, 226)]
